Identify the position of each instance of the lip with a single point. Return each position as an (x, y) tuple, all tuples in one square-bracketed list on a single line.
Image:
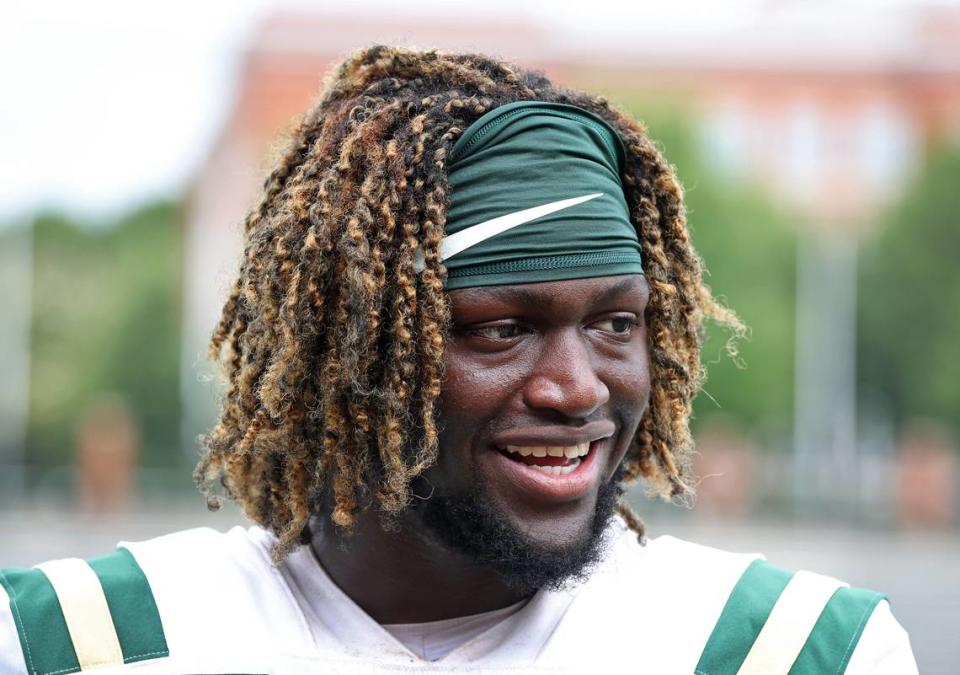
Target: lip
[(588, 433), (548, 487)]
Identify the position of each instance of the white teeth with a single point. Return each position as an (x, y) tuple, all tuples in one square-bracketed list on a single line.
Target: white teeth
[(558, 470), (573, 453), (569, 451)]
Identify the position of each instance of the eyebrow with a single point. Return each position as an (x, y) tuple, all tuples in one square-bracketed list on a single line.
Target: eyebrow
[(619, 288), (520, 294)]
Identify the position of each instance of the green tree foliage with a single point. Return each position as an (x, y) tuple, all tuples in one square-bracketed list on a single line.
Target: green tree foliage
[(106, 315), (749, 250), (910, 300), (105, 323)]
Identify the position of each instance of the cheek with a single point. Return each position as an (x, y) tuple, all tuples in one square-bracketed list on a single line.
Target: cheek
[(471, 395), (477, 383), (469, 389), (629, 384), (630, 379)]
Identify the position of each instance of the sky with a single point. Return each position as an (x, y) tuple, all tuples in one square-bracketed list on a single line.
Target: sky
[(108, 103)]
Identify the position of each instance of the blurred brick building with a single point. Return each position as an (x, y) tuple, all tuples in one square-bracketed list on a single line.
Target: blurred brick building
[(811, 99)]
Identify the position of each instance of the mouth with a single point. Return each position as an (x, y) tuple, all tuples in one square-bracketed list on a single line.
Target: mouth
[(552, 460), (550, 473)]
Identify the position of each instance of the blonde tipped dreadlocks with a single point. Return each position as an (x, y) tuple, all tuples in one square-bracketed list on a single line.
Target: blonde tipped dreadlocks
[(333, 346)]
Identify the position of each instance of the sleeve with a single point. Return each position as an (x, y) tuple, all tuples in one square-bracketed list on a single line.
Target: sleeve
[(71, 615), (884, 647), (11, 654)]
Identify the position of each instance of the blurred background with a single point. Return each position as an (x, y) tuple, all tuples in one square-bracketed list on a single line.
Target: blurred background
[(819, 144)]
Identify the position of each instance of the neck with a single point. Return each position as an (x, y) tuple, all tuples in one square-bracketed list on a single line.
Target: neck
[(402, 576)]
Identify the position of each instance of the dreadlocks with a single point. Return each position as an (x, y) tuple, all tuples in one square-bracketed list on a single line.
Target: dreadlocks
[(332, 345)]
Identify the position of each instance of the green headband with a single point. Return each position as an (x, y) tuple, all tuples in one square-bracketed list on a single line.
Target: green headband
[(536, 195)]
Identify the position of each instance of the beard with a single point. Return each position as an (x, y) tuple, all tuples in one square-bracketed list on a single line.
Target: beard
[(467, 524)]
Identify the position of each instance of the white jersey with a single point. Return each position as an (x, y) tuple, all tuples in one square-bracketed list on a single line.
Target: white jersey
[(200, 601)]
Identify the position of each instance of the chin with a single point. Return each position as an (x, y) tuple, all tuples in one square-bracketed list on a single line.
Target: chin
[(528, 551), (561, 528)]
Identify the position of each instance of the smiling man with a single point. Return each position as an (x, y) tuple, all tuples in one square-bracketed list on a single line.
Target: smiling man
[(468, 314)]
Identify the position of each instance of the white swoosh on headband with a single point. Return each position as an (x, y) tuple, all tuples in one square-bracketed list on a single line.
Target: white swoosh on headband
[(473, 235)]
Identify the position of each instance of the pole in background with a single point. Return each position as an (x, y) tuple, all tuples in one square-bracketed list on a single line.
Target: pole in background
[(16, 312), (825, 423)]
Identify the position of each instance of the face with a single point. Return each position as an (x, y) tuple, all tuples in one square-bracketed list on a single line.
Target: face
[(545, 385)]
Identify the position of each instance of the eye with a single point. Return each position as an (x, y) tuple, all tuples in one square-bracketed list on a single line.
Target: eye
[(618, 325), (504, 331)]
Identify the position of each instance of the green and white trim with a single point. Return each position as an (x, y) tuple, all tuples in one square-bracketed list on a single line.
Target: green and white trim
[(779, 622), (75, 615)]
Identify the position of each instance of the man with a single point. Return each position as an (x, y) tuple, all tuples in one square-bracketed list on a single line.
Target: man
[(468, 314)]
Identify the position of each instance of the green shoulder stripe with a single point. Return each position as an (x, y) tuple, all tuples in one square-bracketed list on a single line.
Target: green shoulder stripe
[(837, 631), (46, 644), (742, 618), (132, 606), (64, 625)]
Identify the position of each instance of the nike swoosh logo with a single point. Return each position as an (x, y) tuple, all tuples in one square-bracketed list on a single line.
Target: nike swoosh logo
[(473, 235)]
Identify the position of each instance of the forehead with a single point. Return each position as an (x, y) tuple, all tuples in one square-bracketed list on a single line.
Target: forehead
[(553, 296)]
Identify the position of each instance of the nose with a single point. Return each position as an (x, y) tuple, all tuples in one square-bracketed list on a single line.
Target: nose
[(564, 377)]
